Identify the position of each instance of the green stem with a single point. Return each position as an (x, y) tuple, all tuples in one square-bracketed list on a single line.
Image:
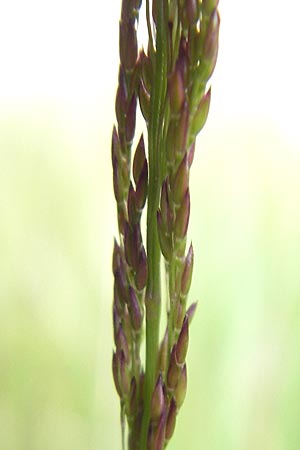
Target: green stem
[(153, 291)]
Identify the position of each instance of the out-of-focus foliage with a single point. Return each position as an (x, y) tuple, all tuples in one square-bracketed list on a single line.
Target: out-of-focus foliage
[(56, 228)]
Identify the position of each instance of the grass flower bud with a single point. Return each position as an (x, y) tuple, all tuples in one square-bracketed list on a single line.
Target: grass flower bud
[(128, 44), (201, 114), (191, 312), (126, 323), (186, 278), (142, 188), (134, 310), (176, 91), (164, 239), (172, 141), (173, 371), (178, 317), (211, 44), (116, 370), (124, 375), (131, 246), (115, 144), (151, 437), (130, 120), (180, 390), (158, 400), (142, 270), (116, 257), (183, 342), (121, 99), (133, 213), (161, 431), (171, 419), (133, 397), (117, 181), (180, 182), (116, 320), (121, 285), (182, 217), (182, 61), (139, 160), (122, 344), (118, 302), (166, 213)]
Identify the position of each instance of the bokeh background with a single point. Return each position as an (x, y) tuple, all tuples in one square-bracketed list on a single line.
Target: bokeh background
[(58, 73)]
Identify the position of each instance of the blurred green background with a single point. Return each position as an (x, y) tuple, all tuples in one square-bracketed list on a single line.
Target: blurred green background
[(58, 221)]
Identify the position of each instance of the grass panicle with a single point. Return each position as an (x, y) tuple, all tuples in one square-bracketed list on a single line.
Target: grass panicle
[(169, 82)]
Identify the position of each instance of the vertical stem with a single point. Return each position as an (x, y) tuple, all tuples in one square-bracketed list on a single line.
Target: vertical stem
[(153, 292)]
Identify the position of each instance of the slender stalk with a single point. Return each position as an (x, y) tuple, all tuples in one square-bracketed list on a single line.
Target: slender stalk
[(153, 292)]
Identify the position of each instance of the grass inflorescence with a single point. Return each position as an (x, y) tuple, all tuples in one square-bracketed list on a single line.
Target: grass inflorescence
[(169, 82)]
